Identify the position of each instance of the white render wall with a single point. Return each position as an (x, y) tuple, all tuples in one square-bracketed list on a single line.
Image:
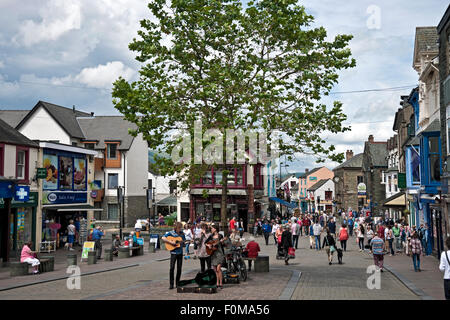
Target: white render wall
[(328, 186), (136, 168), (10, 161), (41, 126)]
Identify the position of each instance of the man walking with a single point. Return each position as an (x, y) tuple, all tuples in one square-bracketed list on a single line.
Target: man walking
[(350, 226), (266, 230), (396, 232), (317, 230), (97, 235), (332, 227), (176, 254), (377, 245)]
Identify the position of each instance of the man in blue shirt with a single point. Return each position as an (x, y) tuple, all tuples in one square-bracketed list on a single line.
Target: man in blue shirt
[(267, 229), (350, 226), (177, 253), (97, 235), (332, 227)]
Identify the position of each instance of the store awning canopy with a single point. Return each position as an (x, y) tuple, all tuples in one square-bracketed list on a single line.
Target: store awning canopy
[(72, 207), (170, 201), (396, 200), (284, 203)]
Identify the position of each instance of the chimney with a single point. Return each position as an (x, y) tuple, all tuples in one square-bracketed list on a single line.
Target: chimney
[(349, 155), (370, 138), (73, 108), (306, 170), (92, 114)]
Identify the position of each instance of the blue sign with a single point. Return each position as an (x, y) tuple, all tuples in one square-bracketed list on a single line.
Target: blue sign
[(22, 193), (66, 197), (6, 189)]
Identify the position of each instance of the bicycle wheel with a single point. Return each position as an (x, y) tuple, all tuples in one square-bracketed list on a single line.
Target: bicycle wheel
[(242, 271)]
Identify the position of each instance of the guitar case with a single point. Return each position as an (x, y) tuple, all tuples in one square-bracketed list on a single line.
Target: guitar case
[(204, 282)]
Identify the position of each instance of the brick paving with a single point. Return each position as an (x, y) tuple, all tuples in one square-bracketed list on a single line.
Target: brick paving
[(148, 279)]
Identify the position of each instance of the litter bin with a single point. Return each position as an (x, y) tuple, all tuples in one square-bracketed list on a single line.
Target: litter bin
[(72, 259), (92, 257)]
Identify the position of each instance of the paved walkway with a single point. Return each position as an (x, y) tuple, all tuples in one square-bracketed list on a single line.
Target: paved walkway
[(307, 277)]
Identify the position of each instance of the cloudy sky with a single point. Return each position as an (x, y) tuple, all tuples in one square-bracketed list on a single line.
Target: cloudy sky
[(69, 52)]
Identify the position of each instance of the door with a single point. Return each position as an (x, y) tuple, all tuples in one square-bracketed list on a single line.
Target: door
[(242, 213)]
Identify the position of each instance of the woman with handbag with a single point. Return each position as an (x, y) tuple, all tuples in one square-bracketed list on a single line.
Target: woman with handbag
[(328, 241), (286, 243)]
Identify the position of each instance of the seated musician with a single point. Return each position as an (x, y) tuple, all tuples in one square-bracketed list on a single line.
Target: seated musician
[(176, 239)]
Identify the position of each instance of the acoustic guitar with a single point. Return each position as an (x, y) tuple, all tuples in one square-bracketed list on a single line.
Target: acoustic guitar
[(178, 241), (212, 243)]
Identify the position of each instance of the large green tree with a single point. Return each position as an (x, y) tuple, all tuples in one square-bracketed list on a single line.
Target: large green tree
[(256, 66)]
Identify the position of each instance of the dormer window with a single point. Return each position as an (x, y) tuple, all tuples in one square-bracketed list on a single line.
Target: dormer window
[(112, 151)]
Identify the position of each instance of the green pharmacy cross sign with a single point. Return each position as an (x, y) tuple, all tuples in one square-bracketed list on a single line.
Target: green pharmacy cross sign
[(41, 173)]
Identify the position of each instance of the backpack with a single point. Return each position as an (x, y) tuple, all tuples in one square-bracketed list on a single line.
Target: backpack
[(343, 235)]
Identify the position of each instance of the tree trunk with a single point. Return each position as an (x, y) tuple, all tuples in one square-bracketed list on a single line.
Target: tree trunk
[(223, 205)]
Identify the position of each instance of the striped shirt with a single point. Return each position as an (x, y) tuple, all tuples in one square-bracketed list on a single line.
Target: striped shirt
[(377, 245)]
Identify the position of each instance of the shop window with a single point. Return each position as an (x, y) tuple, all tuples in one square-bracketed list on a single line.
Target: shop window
[(2, 159), (434, 159), (113, 180), (414, 165), (113, 211)]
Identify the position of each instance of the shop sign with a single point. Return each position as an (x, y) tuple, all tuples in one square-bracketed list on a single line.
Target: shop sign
[(32, 201), (57, 197), (41, 173), (362, 189), (401, 182), (312, 178), (22, 193)]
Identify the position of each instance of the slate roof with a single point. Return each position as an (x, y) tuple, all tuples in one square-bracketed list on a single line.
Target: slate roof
[(9, 135), (425, 41), (13, 117), (353, 162), (319, 184), (377, 153), (65, 117), (103, 128)]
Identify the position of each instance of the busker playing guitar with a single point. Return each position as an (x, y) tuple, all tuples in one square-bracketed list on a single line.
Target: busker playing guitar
[(175, 242)]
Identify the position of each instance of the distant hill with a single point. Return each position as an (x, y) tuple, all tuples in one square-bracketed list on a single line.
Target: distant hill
[(152, 162)]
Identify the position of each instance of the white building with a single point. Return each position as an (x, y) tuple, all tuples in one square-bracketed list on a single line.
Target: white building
[(322, 194)]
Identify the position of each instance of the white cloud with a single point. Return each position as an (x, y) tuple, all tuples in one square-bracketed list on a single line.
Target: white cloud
[(104, 75), (57, 18)]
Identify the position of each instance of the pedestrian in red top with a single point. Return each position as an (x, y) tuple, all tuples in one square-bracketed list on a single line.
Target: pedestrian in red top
[(252, 250), (232, 224)]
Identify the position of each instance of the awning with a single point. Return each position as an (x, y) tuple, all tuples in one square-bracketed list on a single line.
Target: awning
[(170, 201), (72, 207), (396, 200), (284, 203)]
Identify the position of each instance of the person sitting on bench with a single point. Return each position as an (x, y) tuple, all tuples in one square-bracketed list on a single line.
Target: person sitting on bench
[(252, 250), (115, 246), (29, 256)]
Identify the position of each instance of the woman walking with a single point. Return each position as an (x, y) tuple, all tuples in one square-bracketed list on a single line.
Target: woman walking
[(360, 237), (218, 256), (343, 236), (286, 243), (416, 250), (444, 266), (329, 242), (369, 234)]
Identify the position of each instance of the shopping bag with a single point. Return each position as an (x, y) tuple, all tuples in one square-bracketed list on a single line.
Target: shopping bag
[(291, 252)]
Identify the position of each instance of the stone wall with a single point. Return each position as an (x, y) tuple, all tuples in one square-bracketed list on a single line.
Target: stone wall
[(346, 189)]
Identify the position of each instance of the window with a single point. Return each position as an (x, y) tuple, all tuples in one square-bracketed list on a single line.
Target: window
[(293, 184), (113, 211), (112, 151), (20, 164), (360, 179), (415, 165), (389, 183), (74, 144), (231, 177), (207, 177), (258, 181), (328, 195), (2, 159), (150, 184), (173, 186), (218, 176), (113, 180), (434, 159), (89, 146)]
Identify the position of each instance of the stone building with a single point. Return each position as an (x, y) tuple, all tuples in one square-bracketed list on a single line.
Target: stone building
[(347, 177), (373, 164)]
